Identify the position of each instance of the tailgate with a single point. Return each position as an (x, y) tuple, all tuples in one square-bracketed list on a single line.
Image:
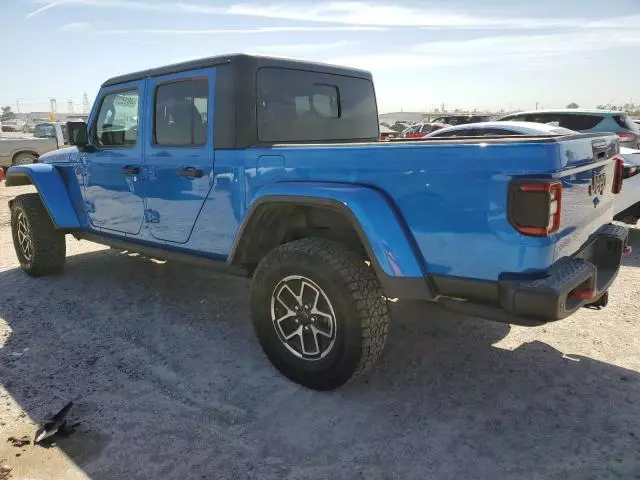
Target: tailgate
[(587, 174)]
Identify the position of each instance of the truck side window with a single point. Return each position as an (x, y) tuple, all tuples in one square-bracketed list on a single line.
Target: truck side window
[(301, 106), (117, 123), (181, 110)]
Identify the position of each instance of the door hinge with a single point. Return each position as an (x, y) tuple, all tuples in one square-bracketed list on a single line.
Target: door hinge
[(151, 216), (89, 207)]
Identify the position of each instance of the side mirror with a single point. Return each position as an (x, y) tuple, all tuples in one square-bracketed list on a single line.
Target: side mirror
[(78, 134)]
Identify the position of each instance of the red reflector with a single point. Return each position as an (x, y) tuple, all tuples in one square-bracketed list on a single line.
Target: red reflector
[(1, 174), (583, 293), (627, 250), (536, 187)]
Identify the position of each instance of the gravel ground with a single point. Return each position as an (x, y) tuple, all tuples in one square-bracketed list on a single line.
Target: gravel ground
[(169, 382)]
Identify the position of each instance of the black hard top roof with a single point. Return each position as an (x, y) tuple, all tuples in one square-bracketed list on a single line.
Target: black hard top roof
[(251, 62)]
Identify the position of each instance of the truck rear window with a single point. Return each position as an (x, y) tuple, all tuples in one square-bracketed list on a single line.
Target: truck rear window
[(300, 106)]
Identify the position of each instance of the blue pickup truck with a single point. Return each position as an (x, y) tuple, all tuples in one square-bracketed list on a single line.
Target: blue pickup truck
[(272, 168)]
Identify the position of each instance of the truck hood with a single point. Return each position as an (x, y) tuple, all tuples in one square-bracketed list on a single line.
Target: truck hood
[(64, 155)]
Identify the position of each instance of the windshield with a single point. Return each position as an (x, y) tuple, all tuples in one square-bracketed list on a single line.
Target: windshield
[(44, 130)]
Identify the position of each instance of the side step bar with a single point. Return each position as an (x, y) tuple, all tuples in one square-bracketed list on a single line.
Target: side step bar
[(219, 265)]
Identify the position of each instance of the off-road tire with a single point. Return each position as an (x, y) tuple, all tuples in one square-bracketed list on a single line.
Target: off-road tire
[(361, 310), (24, 159), (48, 247)]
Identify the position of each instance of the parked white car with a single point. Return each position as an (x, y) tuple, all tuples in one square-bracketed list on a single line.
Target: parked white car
[(482, 129), (627, 208)]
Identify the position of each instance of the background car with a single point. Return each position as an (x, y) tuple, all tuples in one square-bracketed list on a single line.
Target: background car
[(386, 133), (586, 121), (462, 119), (419, 130), (14, 125), (500, 129)]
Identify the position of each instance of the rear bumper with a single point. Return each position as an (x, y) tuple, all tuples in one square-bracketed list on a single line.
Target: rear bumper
[(538, 298), (593, 268)]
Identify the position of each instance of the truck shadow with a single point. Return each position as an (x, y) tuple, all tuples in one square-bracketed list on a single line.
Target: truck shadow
[(169, 382)]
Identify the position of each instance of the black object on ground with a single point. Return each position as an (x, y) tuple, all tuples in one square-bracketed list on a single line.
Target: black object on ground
[(53, 426)]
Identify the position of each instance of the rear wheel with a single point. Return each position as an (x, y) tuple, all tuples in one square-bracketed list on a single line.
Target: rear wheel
[(318, 312), (24, 159), (41, 249)]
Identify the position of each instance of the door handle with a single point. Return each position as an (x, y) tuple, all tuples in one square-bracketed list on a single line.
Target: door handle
[(190, 172), (130, 170)]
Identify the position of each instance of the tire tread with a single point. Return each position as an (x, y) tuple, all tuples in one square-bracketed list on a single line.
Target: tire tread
[(48, 243)]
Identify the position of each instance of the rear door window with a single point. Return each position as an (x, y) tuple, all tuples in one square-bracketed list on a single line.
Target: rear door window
[(181, 113), (301, 106)]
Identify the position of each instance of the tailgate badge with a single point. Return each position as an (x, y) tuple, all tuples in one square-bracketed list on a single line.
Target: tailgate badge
[(598, 183)]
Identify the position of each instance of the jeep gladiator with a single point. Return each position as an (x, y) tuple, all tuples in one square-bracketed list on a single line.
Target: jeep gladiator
[(272, 168)]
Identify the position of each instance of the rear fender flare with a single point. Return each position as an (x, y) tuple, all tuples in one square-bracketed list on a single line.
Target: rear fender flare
[(382, 231), (52, 190)]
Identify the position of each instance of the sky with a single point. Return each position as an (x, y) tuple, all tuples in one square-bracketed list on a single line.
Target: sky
[(471, 54)]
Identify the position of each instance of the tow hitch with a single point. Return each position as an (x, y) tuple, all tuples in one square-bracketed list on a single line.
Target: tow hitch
[(599, 304)]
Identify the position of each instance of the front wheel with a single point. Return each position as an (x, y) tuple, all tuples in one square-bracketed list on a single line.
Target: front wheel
[(41, 249), (319, 312)]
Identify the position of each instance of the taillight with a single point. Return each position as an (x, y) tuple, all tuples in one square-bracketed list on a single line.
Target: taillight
[(626, 136), (618, 176), (630, 172), (535, 207)]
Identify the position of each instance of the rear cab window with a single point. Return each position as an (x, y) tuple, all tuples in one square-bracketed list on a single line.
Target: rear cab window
[(301, 106)]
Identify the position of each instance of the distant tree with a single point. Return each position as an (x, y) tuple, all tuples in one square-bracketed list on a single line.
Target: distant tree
[(601, 107), (7, 114), (573, 105)]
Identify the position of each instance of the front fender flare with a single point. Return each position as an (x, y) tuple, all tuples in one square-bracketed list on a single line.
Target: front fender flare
[(382, 231), (51, 188)]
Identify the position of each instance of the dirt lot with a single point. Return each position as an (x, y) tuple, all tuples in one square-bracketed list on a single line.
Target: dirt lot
[(169, 382)]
